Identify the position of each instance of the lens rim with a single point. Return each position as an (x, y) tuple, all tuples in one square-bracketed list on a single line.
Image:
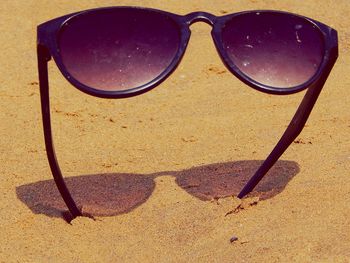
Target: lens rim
[(217, 38), (48, 35), (57, 25)]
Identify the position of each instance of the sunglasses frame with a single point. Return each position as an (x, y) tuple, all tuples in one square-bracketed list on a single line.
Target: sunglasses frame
[(47, 48)]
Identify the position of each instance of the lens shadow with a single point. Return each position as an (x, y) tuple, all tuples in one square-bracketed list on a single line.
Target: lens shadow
[(113, 194), (227, 179), (97, 195)]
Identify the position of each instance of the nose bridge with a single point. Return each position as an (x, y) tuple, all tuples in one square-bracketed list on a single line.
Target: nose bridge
[(200, 16)]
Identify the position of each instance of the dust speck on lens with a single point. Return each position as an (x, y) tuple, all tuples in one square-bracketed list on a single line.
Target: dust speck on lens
[(245, 63), (297, 37)]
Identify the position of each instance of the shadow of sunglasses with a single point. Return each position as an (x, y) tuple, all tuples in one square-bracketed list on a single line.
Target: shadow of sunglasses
[(116, 193)]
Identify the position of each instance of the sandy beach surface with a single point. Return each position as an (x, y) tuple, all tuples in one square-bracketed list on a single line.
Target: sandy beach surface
[(160, 171)]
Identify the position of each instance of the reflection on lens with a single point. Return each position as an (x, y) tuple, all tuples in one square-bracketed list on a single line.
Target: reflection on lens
[(118, 49), (274, 49)]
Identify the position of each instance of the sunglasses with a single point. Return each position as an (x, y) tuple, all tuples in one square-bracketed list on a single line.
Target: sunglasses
[(120, 52)]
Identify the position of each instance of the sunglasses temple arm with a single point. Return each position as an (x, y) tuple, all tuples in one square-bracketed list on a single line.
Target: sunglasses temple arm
[(43, 58), (293, 130)]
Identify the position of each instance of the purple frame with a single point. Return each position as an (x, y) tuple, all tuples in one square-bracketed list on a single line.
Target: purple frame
[(47, 48)]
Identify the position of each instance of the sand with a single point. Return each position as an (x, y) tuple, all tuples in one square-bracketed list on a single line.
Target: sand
[(156, 170)]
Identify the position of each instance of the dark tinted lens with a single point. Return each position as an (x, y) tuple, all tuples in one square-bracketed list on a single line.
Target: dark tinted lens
[(118, 49), (275, 49)]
